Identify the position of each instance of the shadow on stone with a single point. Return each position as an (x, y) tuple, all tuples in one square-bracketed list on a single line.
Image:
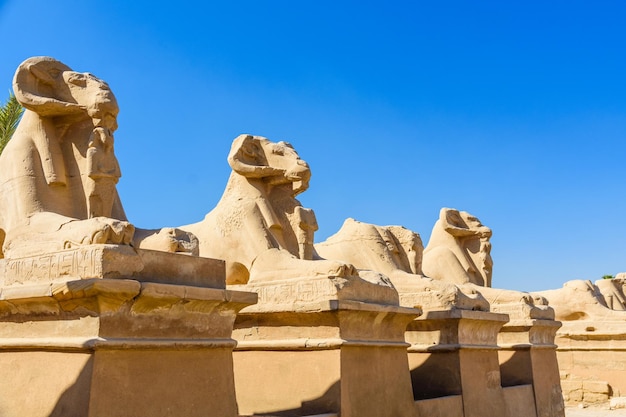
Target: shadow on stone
[(516, 368), (329, 402), (437, 376), (74, 402)]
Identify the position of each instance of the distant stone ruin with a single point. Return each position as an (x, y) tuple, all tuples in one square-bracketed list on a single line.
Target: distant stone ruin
[(592, 342)]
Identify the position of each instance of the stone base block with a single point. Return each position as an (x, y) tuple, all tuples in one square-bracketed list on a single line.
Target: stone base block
[(118, 383), (45, 383), (113, 262), (520, 311), (294, 383), (584, 390), (304, 293), (166, 382), (520, 401)]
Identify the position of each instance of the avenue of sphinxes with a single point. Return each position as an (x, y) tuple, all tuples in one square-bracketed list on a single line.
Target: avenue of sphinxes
[(242, 313)]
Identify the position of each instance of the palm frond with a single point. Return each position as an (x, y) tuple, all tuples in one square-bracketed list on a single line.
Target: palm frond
[(10, 114)]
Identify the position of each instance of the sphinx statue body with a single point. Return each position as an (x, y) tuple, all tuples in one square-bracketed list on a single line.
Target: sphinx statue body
[(259, 227), (59, 171), (459, 251), (397, 252), (583, 300), (454, 271)]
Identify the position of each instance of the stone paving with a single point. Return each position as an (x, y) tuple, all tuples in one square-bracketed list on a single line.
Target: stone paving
[(594, 412)]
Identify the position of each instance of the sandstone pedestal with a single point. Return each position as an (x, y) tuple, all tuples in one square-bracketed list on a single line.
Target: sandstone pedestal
[(113, 347), (310, 347), (528, 356), (453, 359)]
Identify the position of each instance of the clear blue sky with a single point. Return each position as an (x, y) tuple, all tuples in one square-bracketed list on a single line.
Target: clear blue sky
[(512, 110)]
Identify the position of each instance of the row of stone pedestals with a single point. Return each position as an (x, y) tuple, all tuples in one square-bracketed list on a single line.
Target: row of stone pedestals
[(173, 341), (454, 363)]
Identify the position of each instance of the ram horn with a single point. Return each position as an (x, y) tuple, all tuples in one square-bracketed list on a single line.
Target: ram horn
[(34, 84), (246, 158)]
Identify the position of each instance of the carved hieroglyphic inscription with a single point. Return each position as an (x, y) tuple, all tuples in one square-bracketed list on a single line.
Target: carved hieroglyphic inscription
[(295, 291), (73, 263), (93, 261)]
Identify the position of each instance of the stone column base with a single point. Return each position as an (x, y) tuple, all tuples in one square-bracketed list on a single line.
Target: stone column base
[(330, 357), (528, 356), (455, 352)]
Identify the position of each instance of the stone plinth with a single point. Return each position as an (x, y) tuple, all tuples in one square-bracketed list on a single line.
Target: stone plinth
[(528, 356), (523, 311), (112, 261), (455, 352), (323, 352), (103, 347)]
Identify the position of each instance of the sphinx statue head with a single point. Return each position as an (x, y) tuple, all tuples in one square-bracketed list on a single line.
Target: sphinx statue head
[(459, 249), (58, 97), (277, 164)]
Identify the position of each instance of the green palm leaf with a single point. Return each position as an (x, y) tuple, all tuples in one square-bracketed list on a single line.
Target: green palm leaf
[(10, 114)]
